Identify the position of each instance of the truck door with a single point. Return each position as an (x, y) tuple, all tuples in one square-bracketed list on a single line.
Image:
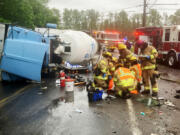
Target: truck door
[(2, 34), (23, 53)]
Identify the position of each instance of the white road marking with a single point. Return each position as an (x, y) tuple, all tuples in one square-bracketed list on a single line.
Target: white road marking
[(134, 125)]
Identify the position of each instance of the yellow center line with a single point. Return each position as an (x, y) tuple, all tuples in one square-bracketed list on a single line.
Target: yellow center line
[(4, 101)]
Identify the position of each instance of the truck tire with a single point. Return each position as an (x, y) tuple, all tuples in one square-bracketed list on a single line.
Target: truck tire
[(171, 60)]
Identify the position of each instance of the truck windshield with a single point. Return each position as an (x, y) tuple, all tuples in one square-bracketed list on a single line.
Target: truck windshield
[(112, 36)]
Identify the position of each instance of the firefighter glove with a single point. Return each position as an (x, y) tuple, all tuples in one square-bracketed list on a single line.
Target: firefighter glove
[(109, 77), (148, 57), (104, 75)]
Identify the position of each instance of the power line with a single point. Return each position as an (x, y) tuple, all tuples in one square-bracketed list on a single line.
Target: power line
[(133, 6), (163, 4), (166, 9), (153, 4)]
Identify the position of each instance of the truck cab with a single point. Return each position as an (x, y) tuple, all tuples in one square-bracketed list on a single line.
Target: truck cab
[(23, 53), (108, 38)]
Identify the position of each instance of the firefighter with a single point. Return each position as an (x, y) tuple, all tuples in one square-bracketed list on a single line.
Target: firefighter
[(112, 68), (112, 65), (124, 81), (101, 72), (136, 68), (126, 56), (148, 62)]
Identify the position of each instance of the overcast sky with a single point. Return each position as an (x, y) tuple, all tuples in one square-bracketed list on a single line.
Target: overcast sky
[(105, 6)]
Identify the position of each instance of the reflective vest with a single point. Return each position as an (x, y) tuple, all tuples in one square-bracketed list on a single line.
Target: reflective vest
[(123, 77), (138, 72)]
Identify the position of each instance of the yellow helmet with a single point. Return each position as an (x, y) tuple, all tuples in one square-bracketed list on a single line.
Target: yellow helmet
[(114, 59), (133, 58), (107, 54), (121, 46)]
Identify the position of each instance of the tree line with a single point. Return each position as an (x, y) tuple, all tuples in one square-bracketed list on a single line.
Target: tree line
[(92, 19), (35, 13), (28, 13), (89, 20)]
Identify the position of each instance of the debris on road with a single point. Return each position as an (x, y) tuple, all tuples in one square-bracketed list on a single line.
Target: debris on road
[(168, 103), (40, 93), (142, 113), (79, 83), (78, 110), (43, 88), (160, 112), (149, 102)]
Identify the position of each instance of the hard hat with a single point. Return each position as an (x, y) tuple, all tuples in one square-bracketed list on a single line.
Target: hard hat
[(121, 46), (141, 42), (133, 58), (114, 59), (107, 54)]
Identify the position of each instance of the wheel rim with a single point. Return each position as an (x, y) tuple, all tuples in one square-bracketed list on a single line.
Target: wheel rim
[(171, 61)]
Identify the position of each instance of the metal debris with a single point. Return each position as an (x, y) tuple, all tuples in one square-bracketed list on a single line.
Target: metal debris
[(78, 110), (168, 103), (43, 88)]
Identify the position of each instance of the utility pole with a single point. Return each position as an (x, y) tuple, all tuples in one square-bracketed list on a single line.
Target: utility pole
[(144, 13)]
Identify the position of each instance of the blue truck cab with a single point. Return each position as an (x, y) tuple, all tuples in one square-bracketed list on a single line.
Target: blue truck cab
[(23, 53)]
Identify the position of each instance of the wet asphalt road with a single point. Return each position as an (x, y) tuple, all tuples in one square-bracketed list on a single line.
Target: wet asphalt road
[(55, 112)]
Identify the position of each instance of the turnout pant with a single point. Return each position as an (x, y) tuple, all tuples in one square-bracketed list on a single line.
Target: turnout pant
[(149, 79), (121, 89)]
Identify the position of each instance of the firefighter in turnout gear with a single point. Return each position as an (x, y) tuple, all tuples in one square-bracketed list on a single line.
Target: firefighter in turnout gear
[(148, 57), (112, 68), (124, 81), (101, 72), (112, 65), (126, 56)]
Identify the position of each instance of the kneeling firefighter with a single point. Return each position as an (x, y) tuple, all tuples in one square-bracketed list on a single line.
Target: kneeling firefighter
[(101, 72), (124, 81), (148, 62)]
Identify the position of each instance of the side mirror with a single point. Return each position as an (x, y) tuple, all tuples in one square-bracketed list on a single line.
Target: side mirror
[(51, 25)]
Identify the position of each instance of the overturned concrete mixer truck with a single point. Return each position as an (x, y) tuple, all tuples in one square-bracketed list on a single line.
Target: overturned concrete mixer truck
[(24, 52)]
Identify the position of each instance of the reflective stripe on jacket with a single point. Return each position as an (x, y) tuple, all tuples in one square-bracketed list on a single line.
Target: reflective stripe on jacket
[(138, 72), (124, 77), (100, 77), (103, 65), (149, 63)]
